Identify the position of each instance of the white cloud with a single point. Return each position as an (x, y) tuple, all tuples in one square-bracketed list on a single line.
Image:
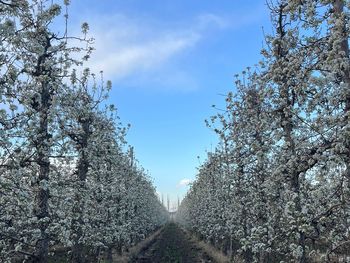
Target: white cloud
[(184, 182), (128, 47), (120, 62)]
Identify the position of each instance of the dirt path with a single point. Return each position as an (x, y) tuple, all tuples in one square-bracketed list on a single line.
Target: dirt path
[(172, 245)]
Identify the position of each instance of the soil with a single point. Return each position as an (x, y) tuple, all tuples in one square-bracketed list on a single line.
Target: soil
[(172, 245)]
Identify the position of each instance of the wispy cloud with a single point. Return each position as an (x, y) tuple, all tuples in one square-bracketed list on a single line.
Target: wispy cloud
[(126, 47), (184, 182), (120, 62)]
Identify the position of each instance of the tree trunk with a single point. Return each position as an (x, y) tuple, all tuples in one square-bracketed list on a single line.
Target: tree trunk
[(83, 167), (42, 144), (109, 258), (120, 248), (286, 123)]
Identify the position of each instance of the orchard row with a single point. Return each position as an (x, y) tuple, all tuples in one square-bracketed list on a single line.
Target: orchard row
[(277, 187), (69, 183)]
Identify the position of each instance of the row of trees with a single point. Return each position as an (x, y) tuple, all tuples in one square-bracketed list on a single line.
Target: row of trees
[(277, 187), (68, 180)]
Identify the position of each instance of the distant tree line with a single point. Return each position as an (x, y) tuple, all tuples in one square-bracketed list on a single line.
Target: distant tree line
[(277, 186), (69, 183)]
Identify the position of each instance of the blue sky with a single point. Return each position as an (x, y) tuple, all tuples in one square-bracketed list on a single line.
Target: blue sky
[(169, 61)]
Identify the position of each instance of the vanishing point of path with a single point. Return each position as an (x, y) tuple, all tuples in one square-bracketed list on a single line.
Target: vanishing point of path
[(172, 245)]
